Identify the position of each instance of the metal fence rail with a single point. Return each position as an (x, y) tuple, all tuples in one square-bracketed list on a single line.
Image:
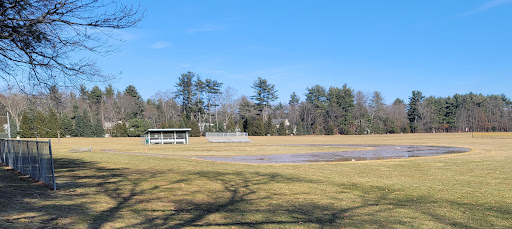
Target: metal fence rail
[(216, 137), (33, 158)]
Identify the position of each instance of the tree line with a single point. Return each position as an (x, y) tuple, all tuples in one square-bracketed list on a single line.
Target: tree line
[(205, 106)]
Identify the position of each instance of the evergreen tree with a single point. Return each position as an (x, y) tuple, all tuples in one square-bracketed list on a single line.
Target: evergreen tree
[(78, 130), (244, 124), (269, 126), (255, 126), (377, 113), (231, 125), (87, 129), (185, 93), (137, 127), (120, 130), (213, 90), (317, 95), (56, 100), (264, 93), (183, 123), (109, 91), (281, 130), (95, 96), (194, 132), (27, 126), (329, 129), (39, 125), (294, 99), (52, 124), (198, 103), (98, 130), (66, 125), (339, 110), (245, 108), (83, 93), (300, 128), (137, 110), (413, 113)]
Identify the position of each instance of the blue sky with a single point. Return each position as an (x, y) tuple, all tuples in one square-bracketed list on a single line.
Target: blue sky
[(438, 47)]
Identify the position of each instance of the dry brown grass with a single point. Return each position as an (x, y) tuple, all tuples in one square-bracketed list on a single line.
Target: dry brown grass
[(113, 190)]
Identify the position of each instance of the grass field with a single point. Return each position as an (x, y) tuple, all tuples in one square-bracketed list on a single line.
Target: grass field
[(107, 188)]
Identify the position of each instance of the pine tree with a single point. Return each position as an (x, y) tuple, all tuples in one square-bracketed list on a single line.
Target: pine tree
[(183, 123), (26, 126), (265, 93), (255, 126), (78, 130), (52, 124), (281, 130), (300, 128), (120, 130), (138, 108), (98, 130), (194, 132), (412, 110), (39, 125), (137, 127), (269, 126), (66, 125), (231, 125), (329, 129), (294, 99), (87, 129), (185, 93)]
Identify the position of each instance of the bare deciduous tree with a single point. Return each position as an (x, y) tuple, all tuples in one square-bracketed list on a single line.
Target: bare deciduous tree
[(228, 105), (40, 39), (15, 104)]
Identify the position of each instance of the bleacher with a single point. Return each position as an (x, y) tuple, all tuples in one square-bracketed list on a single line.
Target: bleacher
[(237, 137)]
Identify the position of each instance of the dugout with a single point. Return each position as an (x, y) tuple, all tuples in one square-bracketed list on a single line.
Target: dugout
[(166, 136)]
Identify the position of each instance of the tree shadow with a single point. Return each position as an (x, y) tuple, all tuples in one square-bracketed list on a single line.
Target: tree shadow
[(29, 204), (249, 199), (240, 198)]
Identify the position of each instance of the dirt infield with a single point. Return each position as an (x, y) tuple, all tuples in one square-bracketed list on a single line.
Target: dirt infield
[(378, 152)]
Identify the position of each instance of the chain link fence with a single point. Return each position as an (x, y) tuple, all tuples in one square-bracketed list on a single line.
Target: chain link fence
[(33, 158)]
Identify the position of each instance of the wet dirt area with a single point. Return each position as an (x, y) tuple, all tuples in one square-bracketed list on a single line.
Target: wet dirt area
[(378, 152)]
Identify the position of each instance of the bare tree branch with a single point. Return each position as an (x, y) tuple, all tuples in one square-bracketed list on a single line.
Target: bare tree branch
[(40, 39)]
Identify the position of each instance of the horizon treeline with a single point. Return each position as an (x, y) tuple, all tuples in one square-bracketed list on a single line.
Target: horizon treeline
[(205, 106)]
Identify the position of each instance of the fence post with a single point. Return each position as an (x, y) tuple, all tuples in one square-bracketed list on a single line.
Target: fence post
[(29, 161), (20, 159), (51, 162), (9, 154), (3, 151), (39, 161)]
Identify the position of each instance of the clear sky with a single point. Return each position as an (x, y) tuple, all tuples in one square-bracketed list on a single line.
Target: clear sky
[(439, 47)]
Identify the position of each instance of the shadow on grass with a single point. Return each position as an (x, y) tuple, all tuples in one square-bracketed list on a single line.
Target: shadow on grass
[(93, 196)]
